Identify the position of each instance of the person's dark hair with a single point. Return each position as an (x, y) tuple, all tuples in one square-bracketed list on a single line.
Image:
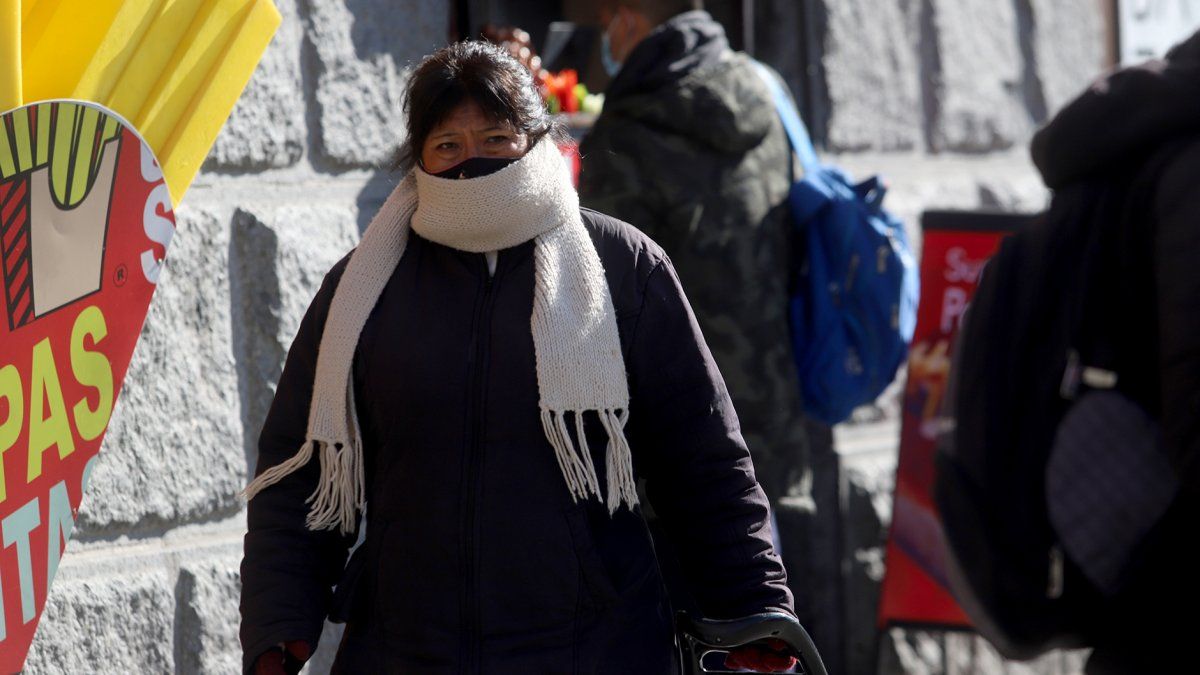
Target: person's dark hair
[(478, 71)]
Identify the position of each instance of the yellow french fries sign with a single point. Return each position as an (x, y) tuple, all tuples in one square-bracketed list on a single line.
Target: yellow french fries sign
[(172, 68), (107, 110)]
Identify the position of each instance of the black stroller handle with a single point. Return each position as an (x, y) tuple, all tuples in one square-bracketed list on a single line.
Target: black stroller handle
[(699, 637)]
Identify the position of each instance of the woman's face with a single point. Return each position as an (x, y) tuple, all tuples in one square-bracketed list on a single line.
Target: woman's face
[(467, 132)]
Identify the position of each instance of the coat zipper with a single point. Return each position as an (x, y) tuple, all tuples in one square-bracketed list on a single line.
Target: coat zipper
[(477, 404)]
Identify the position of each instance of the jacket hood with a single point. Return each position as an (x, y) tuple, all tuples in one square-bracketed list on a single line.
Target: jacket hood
[(1121, 116), (684, 79)]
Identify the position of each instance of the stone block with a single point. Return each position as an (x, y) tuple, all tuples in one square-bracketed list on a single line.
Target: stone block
[(912, 193), (1024, 193), (107, 624), (872, 72), (173, 452), (364, 49), (980, 87), (209, 593), (911, 652), (1005, 181), (267, 126), (208, 617), (927, 652), (278, 260), (1068, 46)]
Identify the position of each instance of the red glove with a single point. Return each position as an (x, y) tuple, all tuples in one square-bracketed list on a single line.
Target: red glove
[(766, 656), (286, 659)]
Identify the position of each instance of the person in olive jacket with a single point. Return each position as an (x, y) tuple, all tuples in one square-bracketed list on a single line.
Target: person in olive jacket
[(482, 384), (690, 150)]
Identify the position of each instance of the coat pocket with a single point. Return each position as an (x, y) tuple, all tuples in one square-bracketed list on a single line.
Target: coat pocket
[(593, 575)]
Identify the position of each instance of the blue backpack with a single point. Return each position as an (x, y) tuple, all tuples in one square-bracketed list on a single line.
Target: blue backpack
[(854, 307)]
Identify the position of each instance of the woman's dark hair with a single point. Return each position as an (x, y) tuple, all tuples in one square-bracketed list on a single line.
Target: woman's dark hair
[(477, 71)]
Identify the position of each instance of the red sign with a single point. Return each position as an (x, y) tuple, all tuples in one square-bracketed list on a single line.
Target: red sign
[(956, 247), (85, 221)]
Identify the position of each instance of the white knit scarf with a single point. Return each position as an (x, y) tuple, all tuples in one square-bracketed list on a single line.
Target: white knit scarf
[(578, 352)]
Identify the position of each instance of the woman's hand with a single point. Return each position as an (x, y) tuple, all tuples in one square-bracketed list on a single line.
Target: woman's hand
[(285, 659), (767, 656)]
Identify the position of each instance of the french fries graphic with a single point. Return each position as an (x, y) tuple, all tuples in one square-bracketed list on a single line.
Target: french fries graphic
[(56, 176)]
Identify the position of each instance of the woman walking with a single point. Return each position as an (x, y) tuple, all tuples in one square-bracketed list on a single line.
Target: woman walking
[(482, 384)]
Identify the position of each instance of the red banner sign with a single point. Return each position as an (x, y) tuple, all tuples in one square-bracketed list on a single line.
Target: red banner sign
[(85, 221), (956, 247)]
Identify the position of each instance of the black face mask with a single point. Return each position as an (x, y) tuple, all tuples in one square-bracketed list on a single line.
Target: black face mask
[(475, 167)]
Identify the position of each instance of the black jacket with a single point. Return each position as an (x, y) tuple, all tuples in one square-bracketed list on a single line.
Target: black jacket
[(1118, 120), (475, 559)]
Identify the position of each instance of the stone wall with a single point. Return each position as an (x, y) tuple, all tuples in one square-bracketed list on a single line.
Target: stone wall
[(940, 95)]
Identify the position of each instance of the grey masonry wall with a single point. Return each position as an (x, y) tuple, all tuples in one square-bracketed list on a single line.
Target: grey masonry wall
[(939, 95)]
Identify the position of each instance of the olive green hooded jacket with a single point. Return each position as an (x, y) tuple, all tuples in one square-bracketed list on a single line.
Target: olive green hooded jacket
[(690, 150)]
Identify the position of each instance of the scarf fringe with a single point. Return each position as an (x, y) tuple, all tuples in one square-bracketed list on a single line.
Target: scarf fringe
[(341, 488), (278, 472), (341, 492), (577, 467), (575, 458), (619, 461)]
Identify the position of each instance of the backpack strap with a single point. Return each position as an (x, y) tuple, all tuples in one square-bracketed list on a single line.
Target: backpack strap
[(796, 131), (1113, 317)]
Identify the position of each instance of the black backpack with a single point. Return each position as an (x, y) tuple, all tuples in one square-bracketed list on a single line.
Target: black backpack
[(1064, 309)]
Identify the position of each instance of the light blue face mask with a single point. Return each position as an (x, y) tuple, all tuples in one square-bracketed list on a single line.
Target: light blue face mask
[(611, 65)]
